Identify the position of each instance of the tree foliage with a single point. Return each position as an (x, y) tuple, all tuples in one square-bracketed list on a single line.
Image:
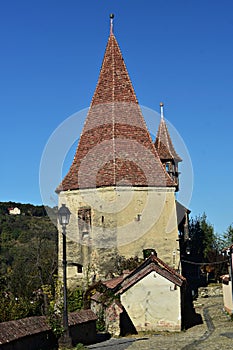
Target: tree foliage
[(28, 260), (203, 238), (206, 246), (228, 236)]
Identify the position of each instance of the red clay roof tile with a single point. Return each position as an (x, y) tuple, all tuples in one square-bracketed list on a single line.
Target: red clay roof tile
[(153, 263), (12, 330), (113, 282), (115, 147)]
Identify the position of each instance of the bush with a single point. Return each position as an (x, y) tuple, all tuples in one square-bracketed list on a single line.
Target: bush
[(75, 300)]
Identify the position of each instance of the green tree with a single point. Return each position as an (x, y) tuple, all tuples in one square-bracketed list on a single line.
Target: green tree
[(203, 238), (206, 247), (228, 236), (28, 260)]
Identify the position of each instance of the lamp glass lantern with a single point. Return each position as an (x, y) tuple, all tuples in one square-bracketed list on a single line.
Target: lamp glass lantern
[(64, 215)]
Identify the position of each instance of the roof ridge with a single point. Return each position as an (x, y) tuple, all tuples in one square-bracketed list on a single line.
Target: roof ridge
[(166, 266), (146, 268)]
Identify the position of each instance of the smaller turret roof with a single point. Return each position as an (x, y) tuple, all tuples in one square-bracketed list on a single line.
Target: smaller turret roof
[(163, 142)]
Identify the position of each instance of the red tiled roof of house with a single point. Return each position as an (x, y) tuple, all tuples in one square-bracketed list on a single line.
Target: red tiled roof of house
[(16, 329), (163, 142), (81, 316), (166, 267), (12, 330), (115, 147), (111, 284), (153, 263)]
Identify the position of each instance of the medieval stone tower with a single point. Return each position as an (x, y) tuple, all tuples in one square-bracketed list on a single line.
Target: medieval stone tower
[(121, 187)]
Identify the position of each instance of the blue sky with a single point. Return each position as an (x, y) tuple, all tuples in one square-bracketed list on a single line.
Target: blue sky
[(179, 52)]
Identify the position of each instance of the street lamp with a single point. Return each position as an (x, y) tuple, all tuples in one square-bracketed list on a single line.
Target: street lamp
[(64, 218)]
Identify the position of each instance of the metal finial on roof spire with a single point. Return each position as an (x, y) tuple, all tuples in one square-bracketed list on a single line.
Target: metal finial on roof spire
[(111, 23), (161, 109)]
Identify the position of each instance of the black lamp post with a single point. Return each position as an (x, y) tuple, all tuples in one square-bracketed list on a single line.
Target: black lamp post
[(64, 218)]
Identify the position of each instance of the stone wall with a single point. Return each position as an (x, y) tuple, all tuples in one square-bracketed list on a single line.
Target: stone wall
[(112, 318), (124, 221)]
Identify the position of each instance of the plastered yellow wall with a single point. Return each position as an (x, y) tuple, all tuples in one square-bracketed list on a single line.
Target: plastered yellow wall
[(124, 221)]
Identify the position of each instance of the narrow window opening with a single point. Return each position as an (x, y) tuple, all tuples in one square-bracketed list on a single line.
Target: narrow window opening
[(84, 221), (79, 268)]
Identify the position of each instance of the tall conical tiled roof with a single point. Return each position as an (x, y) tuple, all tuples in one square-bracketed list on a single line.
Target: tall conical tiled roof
[(115, 147), (163, 142), (114, 84)]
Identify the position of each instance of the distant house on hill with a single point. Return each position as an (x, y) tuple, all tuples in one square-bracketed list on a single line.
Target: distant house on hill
[(14, 211)]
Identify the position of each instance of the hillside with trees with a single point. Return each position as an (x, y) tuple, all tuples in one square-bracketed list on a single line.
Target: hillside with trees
[(28, 259)]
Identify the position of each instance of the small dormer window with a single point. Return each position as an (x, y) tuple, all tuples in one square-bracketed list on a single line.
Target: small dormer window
[(167, 166)]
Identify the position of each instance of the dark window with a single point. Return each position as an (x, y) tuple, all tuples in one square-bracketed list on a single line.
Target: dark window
[(79, 268), (84, 221)]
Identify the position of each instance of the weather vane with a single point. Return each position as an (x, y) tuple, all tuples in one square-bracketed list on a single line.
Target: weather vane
[(111, 22), (161, 109)]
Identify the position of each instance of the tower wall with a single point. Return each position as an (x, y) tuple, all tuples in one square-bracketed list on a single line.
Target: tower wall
[(123, 222)]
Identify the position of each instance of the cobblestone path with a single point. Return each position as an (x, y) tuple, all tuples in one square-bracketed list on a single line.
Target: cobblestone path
[(216, 333)]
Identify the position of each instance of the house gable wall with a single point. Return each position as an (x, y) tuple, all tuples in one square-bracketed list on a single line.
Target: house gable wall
[(153, 303)]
